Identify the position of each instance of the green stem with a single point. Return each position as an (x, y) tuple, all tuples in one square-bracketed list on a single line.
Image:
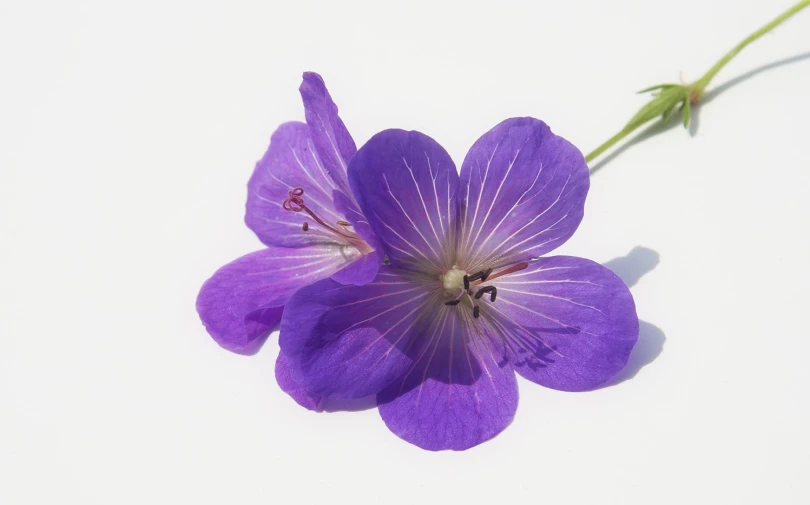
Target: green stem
[(609, 142), (700, 84), (698, 87)]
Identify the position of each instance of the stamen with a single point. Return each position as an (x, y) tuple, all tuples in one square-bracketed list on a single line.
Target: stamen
[(482, 275), (450, 281), (475, 277), (513, 268), (486, 274), (492, 290)]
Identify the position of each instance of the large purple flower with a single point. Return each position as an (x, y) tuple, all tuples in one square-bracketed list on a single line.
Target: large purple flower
[(299, 204), (467, 299)]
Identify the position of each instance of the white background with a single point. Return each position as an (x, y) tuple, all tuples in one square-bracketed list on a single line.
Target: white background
[(129, 130)]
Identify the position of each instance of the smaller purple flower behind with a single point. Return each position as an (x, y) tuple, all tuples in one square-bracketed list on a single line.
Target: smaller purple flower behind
[(468, 300), (300, 206)]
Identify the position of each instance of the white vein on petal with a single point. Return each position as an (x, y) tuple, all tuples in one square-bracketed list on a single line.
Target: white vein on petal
[(421, 199), (497, 193), (434, 262), (304, 168), (561, 324), (539, 215), (480, 191), (379, 297), (506, 215), (413, 224), (436, 194), (394, 307), (506, 282), (530, 334), (546, 295), (332, 143), (326, 259)]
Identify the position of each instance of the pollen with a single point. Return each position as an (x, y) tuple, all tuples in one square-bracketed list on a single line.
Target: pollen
[(453, 281)]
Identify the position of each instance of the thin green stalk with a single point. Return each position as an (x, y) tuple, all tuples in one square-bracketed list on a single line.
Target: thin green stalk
[(690, 94), (609, 142), (700, 84)]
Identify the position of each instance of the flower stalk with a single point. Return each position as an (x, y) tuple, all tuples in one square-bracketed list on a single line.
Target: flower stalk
[(668, 97)]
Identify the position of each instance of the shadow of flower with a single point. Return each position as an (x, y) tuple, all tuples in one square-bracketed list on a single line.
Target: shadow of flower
[(650, 345), (631, 268)]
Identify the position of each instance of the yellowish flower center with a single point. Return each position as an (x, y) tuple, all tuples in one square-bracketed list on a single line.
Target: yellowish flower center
[(453, 281)]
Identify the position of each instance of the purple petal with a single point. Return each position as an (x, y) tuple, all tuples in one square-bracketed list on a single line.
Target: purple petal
[(346, 341), (242, 302), (332, 140), (523, 191), (365, 269), (360, 272), (457, 396), (290, 162), (569, 323), (406, 185), (301, 396)]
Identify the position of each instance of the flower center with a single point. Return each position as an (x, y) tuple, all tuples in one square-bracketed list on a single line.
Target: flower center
[(458, 285), (453, 281), (295, 203)]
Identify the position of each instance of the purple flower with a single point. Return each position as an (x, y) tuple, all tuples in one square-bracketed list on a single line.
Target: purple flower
[(467, 300), (299, 204)]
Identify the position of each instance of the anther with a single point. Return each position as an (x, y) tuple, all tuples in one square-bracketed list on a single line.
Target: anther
[(492, 290), (344, 223), (305, 226), (452, 302), (466, 282), (476, 311), (482, 275)]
